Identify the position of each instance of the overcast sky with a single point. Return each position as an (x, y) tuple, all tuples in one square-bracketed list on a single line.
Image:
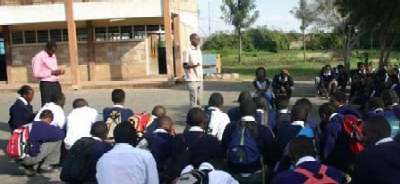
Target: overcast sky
[(273, 13)]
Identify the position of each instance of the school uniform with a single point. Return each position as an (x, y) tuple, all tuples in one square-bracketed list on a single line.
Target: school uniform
[(218, 121), (214, 176), (264, 142), (285, 135), (310, 164), (160, 144), (283, 82), (282, 118), (21, 113), (126, 113), (58, 113), (347, 110), (79, 124), (234, 114), (45, 142), (379, 163)]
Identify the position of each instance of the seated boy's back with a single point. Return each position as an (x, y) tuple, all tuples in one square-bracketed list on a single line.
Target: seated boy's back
[(125, 112)]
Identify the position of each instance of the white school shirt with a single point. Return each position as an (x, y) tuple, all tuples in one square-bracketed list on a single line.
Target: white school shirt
[(125, 164), (58, 113), (79, 124), (215, 176), (218, 122), (194, 57)]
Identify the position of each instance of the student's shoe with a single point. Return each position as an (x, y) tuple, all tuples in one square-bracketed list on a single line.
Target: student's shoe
[(46, 169)]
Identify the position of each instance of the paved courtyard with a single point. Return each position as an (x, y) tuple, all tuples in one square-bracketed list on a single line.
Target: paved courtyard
[(175, 99)]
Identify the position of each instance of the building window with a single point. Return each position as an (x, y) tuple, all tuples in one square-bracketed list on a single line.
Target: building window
[(82, 34), (126, 33), (113, 33), (43, 36), (30, 36), (17, 37), (153, 28), (101, 33), (56, 35), (64, 35), (139, 32)]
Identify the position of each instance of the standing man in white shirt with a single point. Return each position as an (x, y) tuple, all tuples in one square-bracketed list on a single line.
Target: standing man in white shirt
[(193, 66), (79, 122), (56, 107), (125, 164)]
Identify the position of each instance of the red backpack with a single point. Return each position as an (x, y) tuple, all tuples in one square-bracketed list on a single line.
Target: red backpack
[(320, 178), (18, 145), (140, 121), (353, 129)]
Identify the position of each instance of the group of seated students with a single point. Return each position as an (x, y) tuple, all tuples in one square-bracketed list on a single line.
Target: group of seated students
[(330, 79), (259, 141)]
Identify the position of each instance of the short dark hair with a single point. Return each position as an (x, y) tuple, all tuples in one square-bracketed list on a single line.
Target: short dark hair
[(193, 35), (118, 96), (327, 109), (261, 103), (80, 102), (57, 97), (163, 120), (376, 128), (196, 117), (259, 70), (24, 90), (304, 103), (216, 100), (247, 108), (244, 95), (125, 133), (390, 98), (340, 96), (299, 113), (282, 102), (375, 103), (46, 114), (300, 147), (159, 111), (51, 45), (99, 129)]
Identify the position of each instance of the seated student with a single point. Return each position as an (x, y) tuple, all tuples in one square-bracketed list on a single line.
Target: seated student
[(342, 77), (283, 84), (217, 118), (339, 99), (306, 103), (380, 161), (307, 168), (86, 158), (118, 98), (125, 164), (21, 112), (255, 137), (375, 107), (262, 85), (326, 112), (160, 141), (327, 81), (79, 122), (392, 110), (194, 146), (262, 113), (283, 113), (233, 113), (56, 107), (157, 112), (45, 146), (214, 176)]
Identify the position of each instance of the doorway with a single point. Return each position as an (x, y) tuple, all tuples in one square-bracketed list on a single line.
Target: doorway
[(3, 62), (157, 58)]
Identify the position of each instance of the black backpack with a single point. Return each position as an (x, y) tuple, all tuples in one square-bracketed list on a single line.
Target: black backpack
[(75, 168)]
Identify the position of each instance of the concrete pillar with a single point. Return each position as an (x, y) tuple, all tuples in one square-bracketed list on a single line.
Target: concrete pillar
[(72, 43), (168, 37), (8, 49)]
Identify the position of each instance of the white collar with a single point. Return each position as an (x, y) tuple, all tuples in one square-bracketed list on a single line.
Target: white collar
[(118, 106), (332, 116), (260, 110), (96, 138), (248, 119), (305, 159), (214, 108), (206, 166), (378, 110), (298, 123), (284, 111), (384, 140), (195, 129), (395, 104), (160, 130), (23, 100), (193, 47)]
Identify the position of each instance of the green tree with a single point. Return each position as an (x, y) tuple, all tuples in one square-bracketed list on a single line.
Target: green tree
[(241, 14), (306, 12)]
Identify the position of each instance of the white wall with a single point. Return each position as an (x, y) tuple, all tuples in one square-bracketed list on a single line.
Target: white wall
[(11, 15)]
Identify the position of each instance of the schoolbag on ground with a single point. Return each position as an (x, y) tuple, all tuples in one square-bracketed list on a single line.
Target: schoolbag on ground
[(75, 167), (194, 177), (112, 121), (353, 130), (140, 121), (320, 178), (18, 145), (243, 148)]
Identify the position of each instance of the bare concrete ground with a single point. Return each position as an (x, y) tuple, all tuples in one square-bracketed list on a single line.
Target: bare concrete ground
[(175, 99)]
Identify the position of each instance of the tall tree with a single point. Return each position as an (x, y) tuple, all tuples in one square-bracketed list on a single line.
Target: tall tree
[(306, 12), (241, 14)]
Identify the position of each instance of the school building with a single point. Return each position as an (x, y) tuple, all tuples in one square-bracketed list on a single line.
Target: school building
[(117, 40)]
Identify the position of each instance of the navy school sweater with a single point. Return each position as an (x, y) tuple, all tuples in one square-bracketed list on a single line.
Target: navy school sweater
[(20, 114), (160, 145), (125, 113), (41, 133), (379, 164), (291, 177)]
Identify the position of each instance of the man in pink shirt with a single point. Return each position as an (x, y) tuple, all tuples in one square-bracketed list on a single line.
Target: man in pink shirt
[(45, 68)]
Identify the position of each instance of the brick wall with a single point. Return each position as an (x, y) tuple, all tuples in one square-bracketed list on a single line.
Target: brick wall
[(114, 61)]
